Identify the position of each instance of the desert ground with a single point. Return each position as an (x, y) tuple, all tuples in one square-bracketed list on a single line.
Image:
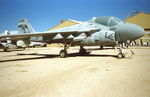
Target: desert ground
[(39, 72)]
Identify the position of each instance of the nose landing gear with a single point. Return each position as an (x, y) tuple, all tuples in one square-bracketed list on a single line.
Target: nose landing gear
[(121, 53)]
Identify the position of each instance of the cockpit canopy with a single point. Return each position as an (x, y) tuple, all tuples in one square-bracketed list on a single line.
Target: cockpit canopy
[(108, 20)]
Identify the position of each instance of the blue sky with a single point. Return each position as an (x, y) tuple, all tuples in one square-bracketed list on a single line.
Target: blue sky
[(44, 14)]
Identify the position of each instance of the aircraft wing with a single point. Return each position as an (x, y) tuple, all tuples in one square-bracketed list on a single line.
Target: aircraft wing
[(55, 34)]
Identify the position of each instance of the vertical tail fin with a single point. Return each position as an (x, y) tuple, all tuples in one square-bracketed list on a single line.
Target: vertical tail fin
[(25, 27), (7, 32)]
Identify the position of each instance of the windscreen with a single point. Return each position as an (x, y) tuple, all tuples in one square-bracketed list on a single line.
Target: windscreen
[(108, 21)]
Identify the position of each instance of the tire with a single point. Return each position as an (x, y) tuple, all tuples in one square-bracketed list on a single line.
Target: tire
[(63, 54), (82, 51), (120, 56), (101, 47), (5, 49)]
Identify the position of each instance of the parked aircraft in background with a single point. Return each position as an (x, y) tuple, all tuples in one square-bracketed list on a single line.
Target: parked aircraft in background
[(102, 31), (8, 43), (37, 44), (14, 43)]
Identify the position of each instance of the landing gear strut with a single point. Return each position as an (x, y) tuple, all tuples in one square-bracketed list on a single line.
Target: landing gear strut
[(82, 51), (63, 53), (101, 47), (5, 49)]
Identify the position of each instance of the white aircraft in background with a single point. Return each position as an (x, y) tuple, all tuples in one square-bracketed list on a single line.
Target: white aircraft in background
[(39, 44), (8, 43), (15, 43)]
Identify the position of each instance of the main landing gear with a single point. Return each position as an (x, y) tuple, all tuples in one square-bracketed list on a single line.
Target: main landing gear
[(101, 47), (5, 49), (82, 51), (63, 53)]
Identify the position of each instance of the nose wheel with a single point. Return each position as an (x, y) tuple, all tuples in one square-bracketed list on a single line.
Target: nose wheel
[(121, 53)]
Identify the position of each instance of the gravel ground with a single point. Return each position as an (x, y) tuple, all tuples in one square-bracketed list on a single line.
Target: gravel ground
[(39, 72)]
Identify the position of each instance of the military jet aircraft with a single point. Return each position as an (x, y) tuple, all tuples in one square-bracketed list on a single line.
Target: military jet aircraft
[(102, 31)]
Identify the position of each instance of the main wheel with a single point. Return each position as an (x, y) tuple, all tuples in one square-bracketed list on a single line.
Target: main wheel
[(63, 54), (5, 49), (82, 51), (101, 47)]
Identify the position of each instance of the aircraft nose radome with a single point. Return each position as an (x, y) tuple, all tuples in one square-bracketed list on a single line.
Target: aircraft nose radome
[(137, 31), (128, 31)]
